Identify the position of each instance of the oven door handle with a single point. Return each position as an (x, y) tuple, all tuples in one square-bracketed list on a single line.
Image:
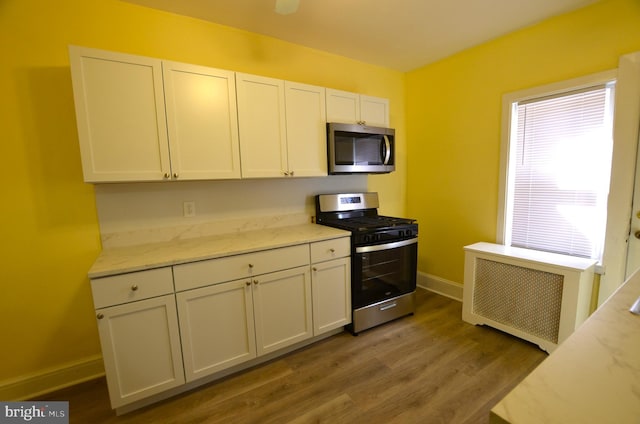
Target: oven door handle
[(386, 246)]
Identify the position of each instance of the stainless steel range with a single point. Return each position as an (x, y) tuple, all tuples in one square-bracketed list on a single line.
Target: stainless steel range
[(384, 255)]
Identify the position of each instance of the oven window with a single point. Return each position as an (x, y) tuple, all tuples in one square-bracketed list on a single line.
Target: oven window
[(358, 149), (383, 274)]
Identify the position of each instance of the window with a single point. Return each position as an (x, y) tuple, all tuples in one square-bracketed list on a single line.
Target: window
[(556, 168)]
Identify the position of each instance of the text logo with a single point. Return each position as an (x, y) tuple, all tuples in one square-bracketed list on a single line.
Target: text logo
[(56, 412)]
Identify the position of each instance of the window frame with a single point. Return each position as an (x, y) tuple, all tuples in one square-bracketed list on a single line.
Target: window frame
[(509, 106)]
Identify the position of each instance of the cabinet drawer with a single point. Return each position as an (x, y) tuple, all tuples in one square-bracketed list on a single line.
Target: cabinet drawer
[(130, 287), (204, 273), (330, 249)]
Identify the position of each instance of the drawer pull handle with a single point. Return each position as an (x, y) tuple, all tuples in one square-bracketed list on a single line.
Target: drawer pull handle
[(384, 308), (134, 287), (332, 250), (248, 283), (250, 266), (314, 269), (100, 316), (255, 282)]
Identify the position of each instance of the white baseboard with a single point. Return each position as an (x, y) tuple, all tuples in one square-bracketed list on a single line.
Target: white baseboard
[(441, 286), (33, 385)]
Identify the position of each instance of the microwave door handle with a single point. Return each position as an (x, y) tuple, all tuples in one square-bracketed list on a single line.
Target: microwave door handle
[(387, 150)]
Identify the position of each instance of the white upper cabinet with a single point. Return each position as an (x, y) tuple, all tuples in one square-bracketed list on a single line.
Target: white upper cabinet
[(146, 119), (261, 121), (202, 122), (374, 111), (120, 115), (306, 130), (352, 108), (282, 128), (128, 133)]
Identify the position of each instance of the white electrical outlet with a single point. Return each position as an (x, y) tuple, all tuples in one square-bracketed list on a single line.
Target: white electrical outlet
[(189, 209)]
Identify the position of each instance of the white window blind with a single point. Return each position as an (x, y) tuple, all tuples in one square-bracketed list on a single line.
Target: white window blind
[(560, 181)]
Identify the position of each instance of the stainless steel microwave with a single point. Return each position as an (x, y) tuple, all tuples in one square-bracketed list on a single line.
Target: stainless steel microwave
[(360, 149)]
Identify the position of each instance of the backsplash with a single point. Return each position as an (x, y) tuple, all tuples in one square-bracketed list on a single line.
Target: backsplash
[(138, 213)]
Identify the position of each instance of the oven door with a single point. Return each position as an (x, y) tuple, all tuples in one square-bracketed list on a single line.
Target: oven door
[(383, 271)]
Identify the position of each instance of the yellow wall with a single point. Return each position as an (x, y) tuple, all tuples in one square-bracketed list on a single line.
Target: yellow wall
[(50, 234), (454, 118)]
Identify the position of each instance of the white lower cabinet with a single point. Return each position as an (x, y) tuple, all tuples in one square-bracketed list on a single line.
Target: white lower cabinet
[(164, 327), (331, 295), (216, 323), (282, 302), (331, 282), (226, 323), (141, 348)]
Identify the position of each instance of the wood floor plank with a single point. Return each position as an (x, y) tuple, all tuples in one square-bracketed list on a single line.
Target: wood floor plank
[(430, 367)]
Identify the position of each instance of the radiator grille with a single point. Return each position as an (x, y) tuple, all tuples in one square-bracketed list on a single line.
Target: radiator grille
[(526, 299)]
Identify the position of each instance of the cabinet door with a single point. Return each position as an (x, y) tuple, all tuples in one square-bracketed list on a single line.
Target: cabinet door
[(282, 305), (306, 130), (216, 324), (374, 111), (119, 101), (261, 123), (141, 348), (342, 106), (202, 122), (331, 282), (352, 108)]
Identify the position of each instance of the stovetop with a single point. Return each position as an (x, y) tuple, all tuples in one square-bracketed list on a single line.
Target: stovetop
[(358, 213), (366, 223)]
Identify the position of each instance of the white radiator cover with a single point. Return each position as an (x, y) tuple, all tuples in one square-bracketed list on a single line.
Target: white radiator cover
[(537, 296)]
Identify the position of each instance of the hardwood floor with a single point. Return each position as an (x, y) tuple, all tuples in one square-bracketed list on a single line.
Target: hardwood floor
[(427, 368)]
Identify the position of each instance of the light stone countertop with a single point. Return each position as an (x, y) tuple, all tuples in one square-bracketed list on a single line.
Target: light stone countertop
[(593, 376), (119, 260)]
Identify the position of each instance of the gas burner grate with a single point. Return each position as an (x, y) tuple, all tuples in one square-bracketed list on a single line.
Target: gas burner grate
[(369, 222)]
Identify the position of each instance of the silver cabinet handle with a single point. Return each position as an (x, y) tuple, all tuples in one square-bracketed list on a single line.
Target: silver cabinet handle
[(175, 175), (332, 250), (100, 316), (167, 175), (314, 269), (134, 287), (255, 282), (248, 283)]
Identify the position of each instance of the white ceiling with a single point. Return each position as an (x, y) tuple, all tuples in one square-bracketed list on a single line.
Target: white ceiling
[(396, 34)]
